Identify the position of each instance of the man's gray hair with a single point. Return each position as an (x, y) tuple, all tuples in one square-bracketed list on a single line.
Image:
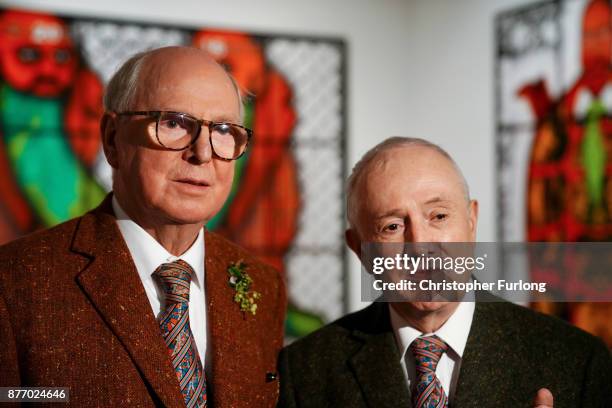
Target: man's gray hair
[(384, 146), (121, 89)]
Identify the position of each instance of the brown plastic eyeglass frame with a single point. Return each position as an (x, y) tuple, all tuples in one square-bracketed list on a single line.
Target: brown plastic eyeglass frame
[(208, 123)]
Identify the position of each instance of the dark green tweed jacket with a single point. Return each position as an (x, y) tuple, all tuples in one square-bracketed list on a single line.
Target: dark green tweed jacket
[(511, 352)]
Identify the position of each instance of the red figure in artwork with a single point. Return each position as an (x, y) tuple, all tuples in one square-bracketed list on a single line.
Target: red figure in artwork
[(569, 196), (46, 97), (37, 55), (262, 215), (262, 211), (37, 58), (82, 117)]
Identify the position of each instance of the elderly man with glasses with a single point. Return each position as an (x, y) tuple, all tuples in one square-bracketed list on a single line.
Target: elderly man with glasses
[(134, 303)]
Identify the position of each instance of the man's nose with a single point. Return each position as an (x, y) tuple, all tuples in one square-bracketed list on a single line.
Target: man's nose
[(417, 231), (418, 239), (201, 151)]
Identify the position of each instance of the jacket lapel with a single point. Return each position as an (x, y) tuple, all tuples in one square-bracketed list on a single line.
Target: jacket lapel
[(487, 376), (376, 365), (233, 348), (112, 284)]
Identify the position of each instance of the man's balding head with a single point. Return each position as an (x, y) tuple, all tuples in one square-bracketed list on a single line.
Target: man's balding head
[(378, 156), (144, 68)]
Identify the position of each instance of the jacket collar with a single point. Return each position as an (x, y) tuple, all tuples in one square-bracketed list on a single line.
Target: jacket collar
[(236, 361), (486, 364), (376, 365), (112, 284)]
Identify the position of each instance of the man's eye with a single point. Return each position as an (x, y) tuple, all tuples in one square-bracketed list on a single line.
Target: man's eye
[(392, 227), (171, 124), (440, 217)]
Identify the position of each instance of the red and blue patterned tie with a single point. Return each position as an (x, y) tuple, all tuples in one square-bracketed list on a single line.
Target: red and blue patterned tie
[(428, 390), (174, 279)]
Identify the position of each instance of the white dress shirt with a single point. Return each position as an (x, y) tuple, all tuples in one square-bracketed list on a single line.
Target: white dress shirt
[(454, 332), (148, 254)]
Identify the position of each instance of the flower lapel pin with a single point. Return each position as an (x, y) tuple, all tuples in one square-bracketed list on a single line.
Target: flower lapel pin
[(241, 282)]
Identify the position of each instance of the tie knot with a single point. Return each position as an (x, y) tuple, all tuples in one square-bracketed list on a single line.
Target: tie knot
[(427, 352), (174, 279)]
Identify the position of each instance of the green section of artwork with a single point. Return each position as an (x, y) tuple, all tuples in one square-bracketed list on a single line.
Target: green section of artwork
[(593, 154), (55, 183), (299, 323)]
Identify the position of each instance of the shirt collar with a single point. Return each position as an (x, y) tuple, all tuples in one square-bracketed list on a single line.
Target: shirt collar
[(148, 254), (454, 332)]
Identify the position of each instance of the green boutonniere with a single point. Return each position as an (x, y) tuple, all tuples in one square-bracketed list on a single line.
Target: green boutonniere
[(241, 282)]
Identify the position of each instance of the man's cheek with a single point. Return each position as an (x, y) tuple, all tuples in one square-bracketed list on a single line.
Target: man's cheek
[(226, 176), (225, 190)]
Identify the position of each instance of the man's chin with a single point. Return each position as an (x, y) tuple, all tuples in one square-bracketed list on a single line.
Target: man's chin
[(427, 306), (188, 208), (187, 217), (176, 211)]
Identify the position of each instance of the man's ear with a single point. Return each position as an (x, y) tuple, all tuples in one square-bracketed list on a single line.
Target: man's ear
[(108, 131), (353, 241), (473, 218)]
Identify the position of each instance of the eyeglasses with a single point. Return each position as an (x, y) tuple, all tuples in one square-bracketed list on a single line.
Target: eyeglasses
[(178, 131)]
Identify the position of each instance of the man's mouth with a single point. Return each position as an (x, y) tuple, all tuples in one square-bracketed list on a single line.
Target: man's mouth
[(194, 182)]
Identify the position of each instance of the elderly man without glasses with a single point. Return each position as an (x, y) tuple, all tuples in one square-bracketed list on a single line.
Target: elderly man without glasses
[(134, 303), (436, 354)]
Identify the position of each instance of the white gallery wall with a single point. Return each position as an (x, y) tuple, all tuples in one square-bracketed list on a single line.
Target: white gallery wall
[(415, 67)]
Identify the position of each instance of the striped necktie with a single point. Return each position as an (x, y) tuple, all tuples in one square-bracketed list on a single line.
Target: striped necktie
[(174, 279), (428, 390)]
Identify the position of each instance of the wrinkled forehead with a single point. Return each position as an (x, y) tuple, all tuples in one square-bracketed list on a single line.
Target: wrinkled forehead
[(414, 172), (189, 71)]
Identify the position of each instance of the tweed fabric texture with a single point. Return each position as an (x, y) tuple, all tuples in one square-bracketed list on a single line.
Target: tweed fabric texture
[(74, 313), (429, 392), (175, 279)]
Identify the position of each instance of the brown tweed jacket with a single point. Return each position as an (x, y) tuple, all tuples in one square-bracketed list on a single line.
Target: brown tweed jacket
[(74, 313)]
